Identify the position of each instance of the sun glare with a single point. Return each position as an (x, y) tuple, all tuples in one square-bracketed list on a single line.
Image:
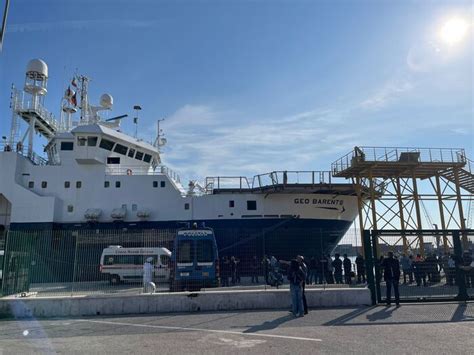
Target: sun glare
[(454, 31)]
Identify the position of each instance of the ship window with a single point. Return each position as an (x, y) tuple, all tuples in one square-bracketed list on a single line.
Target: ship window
[(139, 156), (67, 184), (131, 152), (162, 183), (113, 160), (251, 205), (155, 183), (78, 184), (81, 141), (44, 184), (106, 144), (117, 184), (31, 184), (91, 141), (147, 158), (121, 149), (106, 184), (67, 145), (231, 203), (186, 206), (134, 207), (70, 208)]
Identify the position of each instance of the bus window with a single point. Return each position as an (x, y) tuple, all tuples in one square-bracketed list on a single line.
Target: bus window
[(185, 251), (165, 260), (205, 251)]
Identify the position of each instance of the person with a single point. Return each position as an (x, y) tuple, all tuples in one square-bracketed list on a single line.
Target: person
[(296, 277), (148, 276), (337, 265), (225, 271), (237, 270), (391, 274), (330, 274), (255, 266), (266, 268), (233, 270), (313, 273), (347, 269), (304, 268), (419, 270), (405, 263), (467, 269), (360, 266), (450, 270)]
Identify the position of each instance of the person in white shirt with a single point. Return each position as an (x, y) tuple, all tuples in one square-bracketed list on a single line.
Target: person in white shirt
[(148, 276)]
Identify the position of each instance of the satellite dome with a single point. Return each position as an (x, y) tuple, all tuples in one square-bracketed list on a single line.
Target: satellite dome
[(106, 101), (38, 68)]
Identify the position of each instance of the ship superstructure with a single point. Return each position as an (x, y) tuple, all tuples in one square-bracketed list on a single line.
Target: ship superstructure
[(93, 176)]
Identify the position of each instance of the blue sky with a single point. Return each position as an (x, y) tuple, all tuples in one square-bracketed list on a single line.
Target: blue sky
[(248, 87)]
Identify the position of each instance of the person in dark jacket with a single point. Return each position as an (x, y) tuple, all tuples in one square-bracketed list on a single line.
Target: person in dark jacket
[(304, 268), (360, 266), (313, 271), (337, 265), (468, 272), (296, 277), (255, 269), (391, 274), (225, 267), (347, 269)]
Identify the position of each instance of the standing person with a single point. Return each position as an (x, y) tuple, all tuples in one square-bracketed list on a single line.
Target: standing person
[(466, 263), (347, 269), (148, 276), (304, 268), (405, 263), (225, 271), (360, 266), (255, 269), (237, 270), (391, 275), (266, 267), (313, 273), (233, 270), (296, 277), (419, 270), (337, 264), (330, 275), (450, 270)]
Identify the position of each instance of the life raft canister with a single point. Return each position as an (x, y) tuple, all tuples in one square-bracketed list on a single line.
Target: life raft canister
[(129, 172)]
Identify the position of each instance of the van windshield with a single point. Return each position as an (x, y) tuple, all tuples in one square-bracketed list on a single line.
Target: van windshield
[(205, 251), (185, 251)]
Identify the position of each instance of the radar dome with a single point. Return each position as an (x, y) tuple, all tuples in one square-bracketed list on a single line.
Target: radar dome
[(106, 101), (37, 68)]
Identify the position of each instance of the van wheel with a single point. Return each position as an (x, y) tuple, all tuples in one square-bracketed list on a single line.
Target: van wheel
[(114, 280)]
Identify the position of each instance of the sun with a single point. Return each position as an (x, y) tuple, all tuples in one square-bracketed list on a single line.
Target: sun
[(454, 31)]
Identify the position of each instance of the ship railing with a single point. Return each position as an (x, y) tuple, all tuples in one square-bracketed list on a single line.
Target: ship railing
[(226, 182), (19, 149), (20, 104), (142, 170), (394, 154), (287, 177)]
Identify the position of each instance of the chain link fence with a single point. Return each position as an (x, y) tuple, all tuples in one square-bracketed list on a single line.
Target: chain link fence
[(97, 262)]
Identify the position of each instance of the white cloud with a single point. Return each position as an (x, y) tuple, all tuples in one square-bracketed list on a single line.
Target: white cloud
[(391, 91)]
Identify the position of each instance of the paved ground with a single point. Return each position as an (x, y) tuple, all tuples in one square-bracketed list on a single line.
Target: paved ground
[(410, 329)]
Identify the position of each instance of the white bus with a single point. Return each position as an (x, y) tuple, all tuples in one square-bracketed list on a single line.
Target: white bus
[(126, 264)]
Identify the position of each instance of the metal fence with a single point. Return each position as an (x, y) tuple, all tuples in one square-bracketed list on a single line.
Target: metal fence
[(85, 262), (432, 272)]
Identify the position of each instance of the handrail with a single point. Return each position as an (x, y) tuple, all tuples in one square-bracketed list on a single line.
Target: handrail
[(392, 154)]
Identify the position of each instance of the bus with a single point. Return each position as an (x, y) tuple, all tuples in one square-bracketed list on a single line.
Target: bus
[(195, 260), (126, 264)]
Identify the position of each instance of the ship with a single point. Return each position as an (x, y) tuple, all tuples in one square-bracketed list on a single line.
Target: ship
[(93, 178)]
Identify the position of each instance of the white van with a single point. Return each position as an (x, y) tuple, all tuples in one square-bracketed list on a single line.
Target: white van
[(126, 264)]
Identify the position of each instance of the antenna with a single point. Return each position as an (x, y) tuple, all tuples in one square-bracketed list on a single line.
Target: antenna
[(159, 141), (135, 119)]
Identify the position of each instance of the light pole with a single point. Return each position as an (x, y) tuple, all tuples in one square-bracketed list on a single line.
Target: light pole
[(135, 119)]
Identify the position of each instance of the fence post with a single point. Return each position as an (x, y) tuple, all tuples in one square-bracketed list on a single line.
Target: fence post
[(378, 273), (369, 266), (76, 234), (460, 274)]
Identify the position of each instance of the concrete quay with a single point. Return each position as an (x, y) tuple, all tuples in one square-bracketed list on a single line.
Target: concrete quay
[(177, 302)]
